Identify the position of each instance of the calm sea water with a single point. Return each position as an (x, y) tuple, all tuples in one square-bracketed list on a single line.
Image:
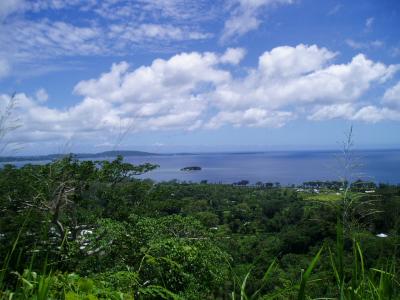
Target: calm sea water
[(286, 167), (292, 167)]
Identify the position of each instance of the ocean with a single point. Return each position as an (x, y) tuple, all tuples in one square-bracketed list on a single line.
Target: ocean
[(285, 167)]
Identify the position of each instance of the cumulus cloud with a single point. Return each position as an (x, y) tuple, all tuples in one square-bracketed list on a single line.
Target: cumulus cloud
[(301, 75), (167, 94), (392, 95), (334, 111), (288, 61), (351, 111), (373, 114), (40, 123), (233, 56), (245, 16), (183, 77), (301, 78), (196, 90)]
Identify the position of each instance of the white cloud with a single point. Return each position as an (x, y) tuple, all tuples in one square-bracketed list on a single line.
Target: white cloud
[(301, 78), (57, 4), (41, 95), (245, 16), (252, 117), (349, 111), (40, 123), (369, 22), (168, 94), (300, 75), (175, 10), (233, 56), (288, 61), (117, 9), (182, 77), (98, 28), (334, 111), (392, 95), (196, 90), (364, 45), (9, 7), (335, 9), (181, 89), (108, 82), (355, 45), (44, 39), (373, 114), (126, 35), (33, 40)]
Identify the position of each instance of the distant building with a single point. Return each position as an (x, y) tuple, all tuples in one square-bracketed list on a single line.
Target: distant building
[(382, 235)]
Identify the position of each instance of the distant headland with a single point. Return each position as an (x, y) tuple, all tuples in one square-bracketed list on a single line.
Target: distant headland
[(51, 157)]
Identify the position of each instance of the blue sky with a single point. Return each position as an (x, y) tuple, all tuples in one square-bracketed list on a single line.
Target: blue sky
[(185, 75)]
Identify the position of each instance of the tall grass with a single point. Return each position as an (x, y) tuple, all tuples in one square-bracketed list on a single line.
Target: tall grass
[(300, 287), (355, 283), (360, 282), (6, 263)]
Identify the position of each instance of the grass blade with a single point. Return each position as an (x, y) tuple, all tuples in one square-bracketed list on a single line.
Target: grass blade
[(306, 275)]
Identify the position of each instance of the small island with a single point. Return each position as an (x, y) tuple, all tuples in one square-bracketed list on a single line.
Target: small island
[(194, 168)]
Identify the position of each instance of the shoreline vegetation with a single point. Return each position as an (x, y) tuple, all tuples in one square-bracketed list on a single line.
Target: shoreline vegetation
[(82, 229)]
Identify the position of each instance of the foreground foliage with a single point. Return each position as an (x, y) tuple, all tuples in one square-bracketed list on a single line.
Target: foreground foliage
[(89, 230)]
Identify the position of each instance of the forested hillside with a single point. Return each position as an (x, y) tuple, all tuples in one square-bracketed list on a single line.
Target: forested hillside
[(75, 229)]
